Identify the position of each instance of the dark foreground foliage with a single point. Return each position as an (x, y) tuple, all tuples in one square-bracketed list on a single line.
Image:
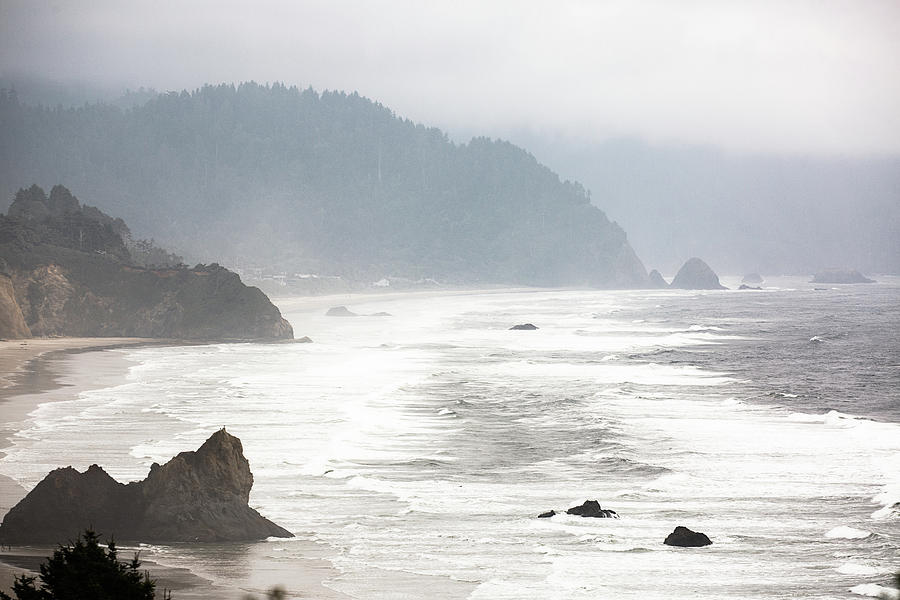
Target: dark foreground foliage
[(84, 570)]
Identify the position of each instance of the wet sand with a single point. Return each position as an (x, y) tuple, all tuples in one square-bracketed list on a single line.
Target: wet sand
[(36, 371), (15, 355)]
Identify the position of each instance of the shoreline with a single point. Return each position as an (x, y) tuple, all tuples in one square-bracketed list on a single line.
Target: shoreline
[(315, 303), (27, 373), (15, 356), (30, 374)]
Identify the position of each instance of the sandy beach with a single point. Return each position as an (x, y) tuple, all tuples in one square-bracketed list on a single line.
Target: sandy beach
[(16, 354)]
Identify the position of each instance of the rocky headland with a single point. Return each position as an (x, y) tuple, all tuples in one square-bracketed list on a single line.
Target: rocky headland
[(198, 496), (65, 270)]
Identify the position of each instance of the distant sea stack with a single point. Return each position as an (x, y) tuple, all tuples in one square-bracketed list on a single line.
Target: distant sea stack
[(696, 275), (657, 281), (752, 278), (68, 271), (840, 276), (199, 496), (340, 311)]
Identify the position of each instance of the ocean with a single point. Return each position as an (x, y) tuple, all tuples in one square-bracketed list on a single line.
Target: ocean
[(413, 452)]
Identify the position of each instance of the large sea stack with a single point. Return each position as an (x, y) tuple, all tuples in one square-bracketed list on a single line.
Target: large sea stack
[(198, 496), (68, 271), (696, 275)]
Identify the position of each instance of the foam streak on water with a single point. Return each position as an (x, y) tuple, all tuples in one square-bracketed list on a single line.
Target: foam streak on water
[(417, 450)]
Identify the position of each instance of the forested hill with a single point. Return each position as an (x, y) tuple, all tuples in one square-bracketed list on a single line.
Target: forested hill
[(328, 183)]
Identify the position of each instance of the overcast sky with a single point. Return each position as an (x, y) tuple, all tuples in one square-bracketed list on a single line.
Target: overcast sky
[(819, 77)]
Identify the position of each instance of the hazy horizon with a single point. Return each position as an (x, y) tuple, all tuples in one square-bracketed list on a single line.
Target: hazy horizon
[(756, 135), (803, 78)]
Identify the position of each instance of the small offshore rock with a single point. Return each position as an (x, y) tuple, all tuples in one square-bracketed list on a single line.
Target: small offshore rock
[(547, 515), (340, 311), (523, 327), (685, 538), (744, 286), (591, 508), (381, 314), (304, 340)]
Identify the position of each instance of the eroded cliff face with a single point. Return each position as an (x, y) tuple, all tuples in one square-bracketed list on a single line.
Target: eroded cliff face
[(43, 295), (70, 275), (197, 496), (206, 302), (12, 321)]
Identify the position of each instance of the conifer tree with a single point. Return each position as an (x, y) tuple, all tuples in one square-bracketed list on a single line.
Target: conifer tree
[(84, 570)]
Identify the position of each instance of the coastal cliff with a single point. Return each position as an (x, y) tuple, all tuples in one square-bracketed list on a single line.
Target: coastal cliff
[(198, 496), (66, 271)]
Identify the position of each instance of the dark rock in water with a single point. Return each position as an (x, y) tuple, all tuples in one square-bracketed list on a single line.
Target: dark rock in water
[(304, 340), (199, 496), (684, 537), (547, 515), (748, 287), (523, 327), (340, 311), (381, 314), (840, 276), (752, 278), (591, 508), (656, 280), (696, 275)]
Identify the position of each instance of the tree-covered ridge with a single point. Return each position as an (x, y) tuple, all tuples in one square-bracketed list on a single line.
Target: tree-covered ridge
[(59, 219), (319, 182)]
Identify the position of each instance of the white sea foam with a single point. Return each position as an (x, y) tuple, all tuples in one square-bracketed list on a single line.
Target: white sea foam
[(873, 590), (848, 533), (354, 438), (857, 569)]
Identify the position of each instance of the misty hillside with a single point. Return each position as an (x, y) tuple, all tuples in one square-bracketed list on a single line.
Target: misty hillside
[(318, 182), (743, 213)]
